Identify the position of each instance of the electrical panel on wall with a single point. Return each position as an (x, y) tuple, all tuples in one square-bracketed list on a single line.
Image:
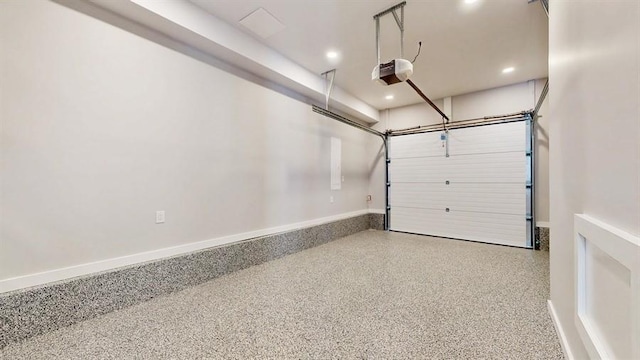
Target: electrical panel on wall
[(336, 163)]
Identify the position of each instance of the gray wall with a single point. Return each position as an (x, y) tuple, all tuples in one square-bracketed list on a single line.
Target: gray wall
[(498, 101), (594, 67), (100, 128)]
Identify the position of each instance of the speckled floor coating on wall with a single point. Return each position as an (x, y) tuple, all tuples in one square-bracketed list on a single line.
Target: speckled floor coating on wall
[(374, 294), (39, 310)]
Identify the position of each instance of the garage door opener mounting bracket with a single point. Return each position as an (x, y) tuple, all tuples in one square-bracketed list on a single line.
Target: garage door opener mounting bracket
[(398, 70)]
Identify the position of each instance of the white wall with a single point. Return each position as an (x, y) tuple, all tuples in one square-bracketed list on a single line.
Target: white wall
[(498, 101), (502, 100), (594, 67), (100, 128)]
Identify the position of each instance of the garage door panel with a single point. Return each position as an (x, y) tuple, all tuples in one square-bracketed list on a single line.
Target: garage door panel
[(419, 170), (488, 139), (497, 168), (419, 221), (482, 183), (491, 228), (425, 195), (492, 198), (487, 224), (417, 145), (452, 222)]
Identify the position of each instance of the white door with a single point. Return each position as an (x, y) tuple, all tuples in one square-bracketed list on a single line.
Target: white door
[(478, 192)]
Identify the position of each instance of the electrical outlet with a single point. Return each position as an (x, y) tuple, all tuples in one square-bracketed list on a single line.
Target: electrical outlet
[(159, 217), (342, 178), (331, 199)]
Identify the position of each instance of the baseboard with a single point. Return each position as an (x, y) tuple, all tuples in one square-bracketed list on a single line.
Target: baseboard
[(70, 272), (40, 309), (377, 211), (542, 238), (559, 331), (544, 224)]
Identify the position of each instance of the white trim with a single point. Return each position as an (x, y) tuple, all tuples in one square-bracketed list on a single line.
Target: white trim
[(623, 248), (564, 343), (377, 211), (45, 277), (336, 164), (544, 224), (532, 89), (447, 107)]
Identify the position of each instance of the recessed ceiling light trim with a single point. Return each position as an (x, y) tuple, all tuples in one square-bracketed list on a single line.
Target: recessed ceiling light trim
[(332, 54), (507, 70)]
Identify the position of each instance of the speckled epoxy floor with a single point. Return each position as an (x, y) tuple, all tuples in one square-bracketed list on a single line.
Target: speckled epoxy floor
[(374, 294)]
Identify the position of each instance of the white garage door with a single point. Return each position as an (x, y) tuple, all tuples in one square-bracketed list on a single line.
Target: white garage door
[(480, 191)]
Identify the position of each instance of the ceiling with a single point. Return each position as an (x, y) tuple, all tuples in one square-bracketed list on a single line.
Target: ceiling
[(464, 46)]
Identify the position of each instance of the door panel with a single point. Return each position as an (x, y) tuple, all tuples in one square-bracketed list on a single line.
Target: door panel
[(478, 192)]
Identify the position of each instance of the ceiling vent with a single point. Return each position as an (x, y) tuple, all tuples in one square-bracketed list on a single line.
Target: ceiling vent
[(262, 23)]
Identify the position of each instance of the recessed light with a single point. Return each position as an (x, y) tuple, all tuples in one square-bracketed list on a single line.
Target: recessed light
[(332, 54), (508, 70), (389, 97), (469, 1)]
